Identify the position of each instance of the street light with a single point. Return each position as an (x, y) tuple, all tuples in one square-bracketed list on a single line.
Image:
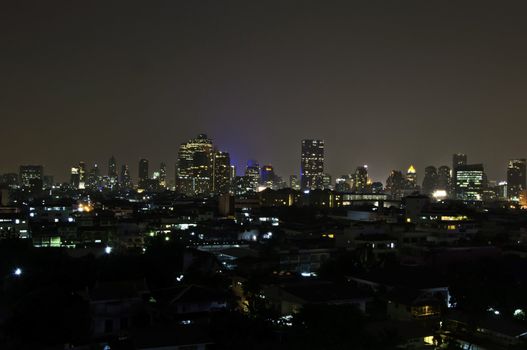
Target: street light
[(17, 272)]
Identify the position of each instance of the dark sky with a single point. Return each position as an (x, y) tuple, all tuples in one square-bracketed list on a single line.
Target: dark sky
[(385, 83)]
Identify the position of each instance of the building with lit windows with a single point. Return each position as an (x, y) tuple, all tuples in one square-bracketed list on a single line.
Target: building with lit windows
[(469, 182), (444, 180), (411, 177), (125, 178), (194, 169), (294, 183), (312, 164), (515, 178), (143, 173), (112, 172), (430, 180), (30, 175), (360, 181), (222, 172)]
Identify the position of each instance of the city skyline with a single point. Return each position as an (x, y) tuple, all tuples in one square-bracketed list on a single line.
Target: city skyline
[(373, 170), (382, 85)]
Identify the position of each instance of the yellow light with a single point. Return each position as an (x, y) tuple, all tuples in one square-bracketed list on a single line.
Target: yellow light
[(408, 220), (331, 235)]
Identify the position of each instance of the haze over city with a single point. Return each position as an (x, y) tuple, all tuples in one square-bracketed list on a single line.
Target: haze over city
[(386, 84)]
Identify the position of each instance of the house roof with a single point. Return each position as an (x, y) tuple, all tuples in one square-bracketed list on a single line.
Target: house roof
[(323, 292), (118, 290)]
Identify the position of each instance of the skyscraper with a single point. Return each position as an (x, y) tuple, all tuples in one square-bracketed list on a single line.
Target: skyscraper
[(312, 164), (411, 177), (82, 175), (469, 182), (516, 178), (126, 179), (252, 173), (31, 176), (163, 175), (194, 168), (444, 180), (268, 176), (360, 180), (396, 184), (222, 172), (143, 173), (293, 182), (430, 180), (459, 159), (112, 172)]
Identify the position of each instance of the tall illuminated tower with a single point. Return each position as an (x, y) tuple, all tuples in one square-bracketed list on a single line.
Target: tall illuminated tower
[(312, 164), (515, 178)]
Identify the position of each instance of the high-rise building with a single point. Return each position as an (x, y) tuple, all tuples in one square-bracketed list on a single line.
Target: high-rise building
[(411, 177), (459, 159), (268, 176), (10, 180), (194, 168), (430, 181), (222, 172), (360, 180), (163, 175), (327, 182), (74, 177), (82, 175), (30, 175), (94, 178), (470, 180), (293, 182), (126, 179), (396, 184), (143, 173), (312, 164), (252, 172), (344, 183), (112, 172), (444, 180), (516, 178)]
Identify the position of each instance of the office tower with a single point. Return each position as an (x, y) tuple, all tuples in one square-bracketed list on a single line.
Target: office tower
[(94, 178), (233, 172), (444, 180), (327, 182), (112, 172), (430, 181), (312, 164), (194, 168), (294, 183), (515, 178), (10, 180), (343, 183), (396, 184), (30, 175), (162, 175), (469, 182), (74, 177), (377, 187), (143, 173), (360, 181), (82, 175), (411, 177), (222, 172), (268, 176), (252, 173), (126, 179), (459, 159)]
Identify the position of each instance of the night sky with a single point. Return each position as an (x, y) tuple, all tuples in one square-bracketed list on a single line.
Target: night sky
[(384, 83)]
